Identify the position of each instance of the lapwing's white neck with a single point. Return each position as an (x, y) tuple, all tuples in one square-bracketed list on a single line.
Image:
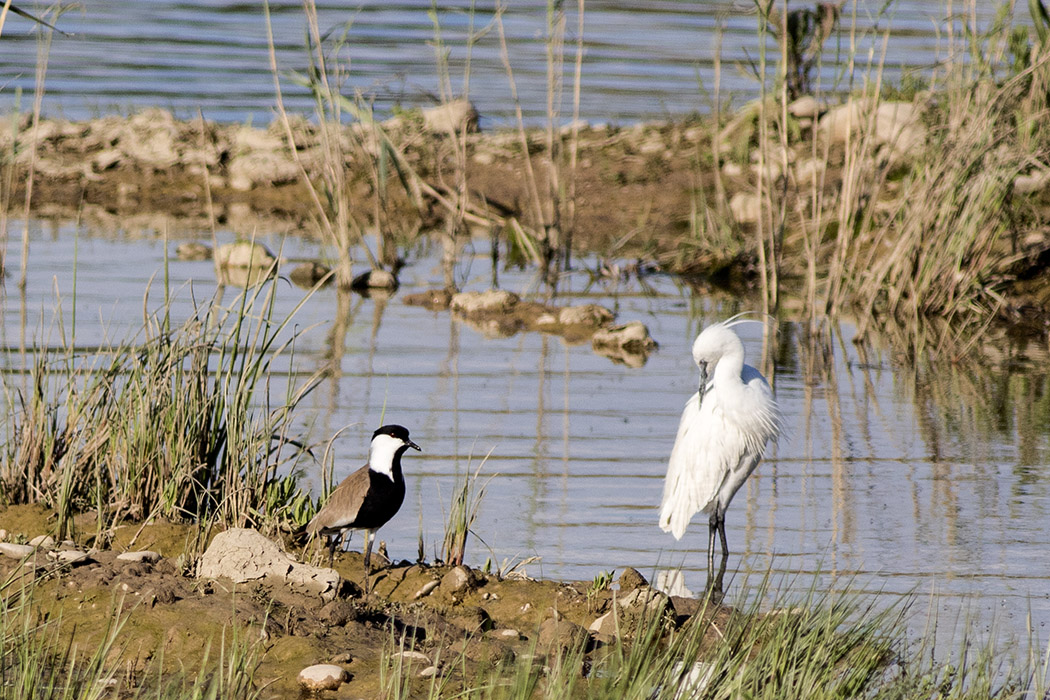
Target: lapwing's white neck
[(385, 453)]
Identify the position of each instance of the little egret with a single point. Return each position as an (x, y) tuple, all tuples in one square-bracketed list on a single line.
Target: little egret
[(721, 438), (369, 497)]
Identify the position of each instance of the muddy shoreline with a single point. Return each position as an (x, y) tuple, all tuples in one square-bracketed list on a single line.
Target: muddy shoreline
[(429, 618)]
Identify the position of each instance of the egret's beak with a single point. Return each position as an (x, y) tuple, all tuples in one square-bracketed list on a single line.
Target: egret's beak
[(703, 381), (414, 446)]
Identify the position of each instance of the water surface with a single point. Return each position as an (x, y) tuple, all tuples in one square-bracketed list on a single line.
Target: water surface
[(652, 61), (931, 480)]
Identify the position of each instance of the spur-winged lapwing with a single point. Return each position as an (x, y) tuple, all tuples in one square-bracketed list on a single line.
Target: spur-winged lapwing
[(369, 497)]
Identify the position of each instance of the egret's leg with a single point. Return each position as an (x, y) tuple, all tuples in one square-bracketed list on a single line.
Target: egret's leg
[(722, 534), (712, 528)]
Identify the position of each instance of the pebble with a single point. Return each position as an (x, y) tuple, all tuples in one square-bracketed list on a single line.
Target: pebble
[(45, 541), (16, 551), (322, 677), (409, 655), (71, 557), (426, 590), (143, 556), (428, 672)]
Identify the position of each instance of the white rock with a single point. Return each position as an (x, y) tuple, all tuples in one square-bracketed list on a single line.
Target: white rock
[(588, 314), (70, 557), (745, 207), (16, 551), (45, 541), (243, 555), (426, 590), (806, 106), (410, 655), (144, 555), (244, 254), (453, 117), (322, 677), (428, 672), (493, 300)]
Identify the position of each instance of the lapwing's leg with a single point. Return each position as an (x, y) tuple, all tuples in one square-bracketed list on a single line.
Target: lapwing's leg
[(331, 547), (369, 534)]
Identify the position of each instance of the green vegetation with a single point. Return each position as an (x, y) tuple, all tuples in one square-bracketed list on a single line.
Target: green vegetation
[(165, 424)]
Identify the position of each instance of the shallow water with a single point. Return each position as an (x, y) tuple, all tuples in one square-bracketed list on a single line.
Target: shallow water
[(932, 481), (652, 61)]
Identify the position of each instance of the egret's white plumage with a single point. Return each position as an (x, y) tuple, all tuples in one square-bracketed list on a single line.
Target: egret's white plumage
[(721, 437)]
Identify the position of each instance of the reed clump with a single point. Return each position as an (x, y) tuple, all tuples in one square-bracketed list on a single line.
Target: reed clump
[(178, 421)]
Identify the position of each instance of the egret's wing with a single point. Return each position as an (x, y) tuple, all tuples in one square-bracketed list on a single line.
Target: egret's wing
[(695, 470)]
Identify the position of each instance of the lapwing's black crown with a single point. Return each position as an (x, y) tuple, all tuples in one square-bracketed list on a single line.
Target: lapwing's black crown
[(394, 431)]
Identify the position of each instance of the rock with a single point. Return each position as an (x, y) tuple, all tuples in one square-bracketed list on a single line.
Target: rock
[(588, 314), (745, 207), (433, 299), (336, 613), (244, 254), (561, 633), (1033, 182), (308, 274), (375, 279), (806, 106), (193, 250), (43, 541), (491, 301), (504, 634), (143, 556), (631, 337), (244, 555), (631, 612), (69, 557), (732, 169), (16, 551), (426, 590), (810, 171), (631, 579), (412, 656), (428, 672), (475, 620), (322, 677), (451, 117), (459, 580), (897, 124)]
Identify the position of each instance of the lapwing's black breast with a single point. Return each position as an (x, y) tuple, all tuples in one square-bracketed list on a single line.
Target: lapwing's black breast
[(383, 500)]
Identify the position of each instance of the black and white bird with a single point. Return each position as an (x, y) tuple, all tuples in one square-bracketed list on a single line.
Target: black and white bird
[(368, 498), (721, 438)]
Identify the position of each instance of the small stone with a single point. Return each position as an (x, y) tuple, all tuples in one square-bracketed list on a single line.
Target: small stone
[(491, 301), (588, 314), (244, 254), (308, 274), (145, 556), (45, 541), (16, 551), (428, 672), (193, 251), (375, 279), (631, 579), (562, 633), (745, 207), (459, 580), (426, 590), (409, 655), (69, 557), (322, 677)]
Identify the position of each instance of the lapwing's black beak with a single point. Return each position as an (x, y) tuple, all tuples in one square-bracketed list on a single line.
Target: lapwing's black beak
[(703, 381), (414, 446)]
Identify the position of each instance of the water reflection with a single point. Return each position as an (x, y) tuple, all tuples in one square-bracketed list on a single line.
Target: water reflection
[(894, 475)]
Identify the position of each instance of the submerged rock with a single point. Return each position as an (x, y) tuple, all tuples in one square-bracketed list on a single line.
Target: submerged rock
[(244, 254), (192, 250), (629, 343), (308, 274), (488, 302)]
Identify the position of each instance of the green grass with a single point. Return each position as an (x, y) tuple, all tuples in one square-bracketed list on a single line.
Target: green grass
[(176, 421)]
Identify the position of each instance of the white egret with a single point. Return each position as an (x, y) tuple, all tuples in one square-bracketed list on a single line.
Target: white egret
[(723, 434)]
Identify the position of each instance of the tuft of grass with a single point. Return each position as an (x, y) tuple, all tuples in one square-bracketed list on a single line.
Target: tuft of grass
[(463, 513), (177, 422)]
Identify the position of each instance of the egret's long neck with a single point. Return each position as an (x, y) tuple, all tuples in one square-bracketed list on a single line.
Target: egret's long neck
[(384, 456), (730, 365)]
